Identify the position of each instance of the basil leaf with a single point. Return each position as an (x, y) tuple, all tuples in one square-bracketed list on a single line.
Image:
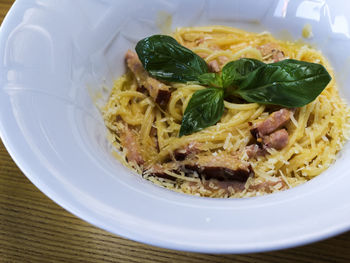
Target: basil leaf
[(234, 72), (288, 83), (211, 79), (204, 109), (164, 58)]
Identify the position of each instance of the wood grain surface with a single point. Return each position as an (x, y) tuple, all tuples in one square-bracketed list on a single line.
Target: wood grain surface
[(35, 229)]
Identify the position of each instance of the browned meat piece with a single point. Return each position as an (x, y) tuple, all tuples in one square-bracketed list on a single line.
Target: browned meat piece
[(214, 66), (277, 140), (273, 51), (266, 135), (267, 186), (191, 149), (141, 89), (157, 90), (129, 141), (224, 185), (275, 121), (221, 167), (222, 60), (255, 150), (159, 171)]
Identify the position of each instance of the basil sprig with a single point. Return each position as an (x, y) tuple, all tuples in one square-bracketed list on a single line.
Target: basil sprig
[(164, 58), (204, 109), (288, 83), (234, 72)]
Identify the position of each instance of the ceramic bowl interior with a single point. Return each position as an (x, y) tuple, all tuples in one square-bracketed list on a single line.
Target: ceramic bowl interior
[(58, 61)]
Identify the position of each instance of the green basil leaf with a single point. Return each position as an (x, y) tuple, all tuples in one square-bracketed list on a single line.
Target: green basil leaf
[(234, 72), (211, 79), (204, 109), (288, 83), (164, 58)]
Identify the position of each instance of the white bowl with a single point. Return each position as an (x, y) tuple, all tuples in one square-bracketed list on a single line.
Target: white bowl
[(58, 55)]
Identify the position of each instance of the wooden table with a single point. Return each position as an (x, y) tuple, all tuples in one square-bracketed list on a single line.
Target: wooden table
[(35, 229)]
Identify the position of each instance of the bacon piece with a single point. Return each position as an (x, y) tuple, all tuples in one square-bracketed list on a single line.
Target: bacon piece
[(224, 185), (275, 121), (159, 171), (129, 141), (273, 51), (269, 135), (255, 150), (191, 149), (223, 167), (222, 60), (267, 186), (157, 90), (214, 66), (277, 140)]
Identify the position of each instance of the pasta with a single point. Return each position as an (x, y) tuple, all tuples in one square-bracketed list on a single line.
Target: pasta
[(316, 131)]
